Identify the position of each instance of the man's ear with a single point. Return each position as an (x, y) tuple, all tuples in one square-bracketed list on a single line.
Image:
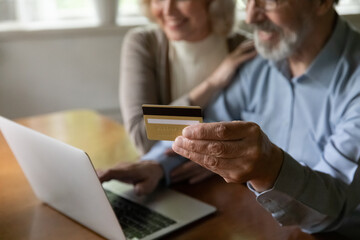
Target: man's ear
[(324, 6)]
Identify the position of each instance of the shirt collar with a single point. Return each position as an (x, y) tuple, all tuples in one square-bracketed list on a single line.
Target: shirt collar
[(324, 65)]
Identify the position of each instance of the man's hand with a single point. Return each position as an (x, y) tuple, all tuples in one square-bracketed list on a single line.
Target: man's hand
[(191, 172), (237, 151), (144, 175)]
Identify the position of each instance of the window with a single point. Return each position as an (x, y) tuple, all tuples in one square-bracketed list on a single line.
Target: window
[(35, 11), (348, 7), (7, 10), (129, 8), (72, 9), (27, 11), (60, 11)]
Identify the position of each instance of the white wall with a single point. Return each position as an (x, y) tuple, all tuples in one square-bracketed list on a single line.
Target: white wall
[(353, 20), (50, 71)]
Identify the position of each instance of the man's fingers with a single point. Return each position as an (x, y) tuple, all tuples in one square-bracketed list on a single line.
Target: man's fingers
[(222, 131), (185, 171), (144, 187), (219, 149), (170, 152), (183, 168), (101, 175), (122, 175), (207, 161), (105, 175), (221, 166), (144, 175)]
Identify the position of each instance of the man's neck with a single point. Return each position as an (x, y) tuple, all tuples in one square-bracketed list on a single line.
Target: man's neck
[(315, 42)]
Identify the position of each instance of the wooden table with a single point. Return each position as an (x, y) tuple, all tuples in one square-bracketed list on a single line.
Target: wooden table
[(23, 216)]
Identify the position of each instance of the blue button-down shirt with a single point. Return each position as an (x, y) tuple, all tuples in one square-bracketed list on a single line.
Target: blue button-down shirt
[(315, 119)]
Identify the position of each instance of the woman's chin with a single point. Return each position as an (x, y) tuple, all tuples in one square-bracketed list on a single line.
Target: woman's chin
[(176, 36)]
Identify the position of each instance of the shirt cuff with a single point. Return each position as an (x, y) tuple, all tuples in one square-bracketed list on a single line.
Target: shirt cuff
[(288, 186), (168, 163), (296, 198)]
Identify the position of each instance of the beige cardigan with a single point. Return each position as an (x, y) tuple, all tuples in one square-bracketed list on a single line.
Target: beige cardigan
[(145, 78)]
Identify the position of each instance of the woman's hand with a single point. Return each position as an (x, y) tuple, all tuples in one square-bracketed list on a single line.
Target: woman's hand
[(222, 76), (226, 70)]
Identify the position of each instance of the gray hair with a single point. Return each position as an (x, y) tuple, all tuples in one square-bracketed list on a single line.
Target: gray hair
[(221, 12)]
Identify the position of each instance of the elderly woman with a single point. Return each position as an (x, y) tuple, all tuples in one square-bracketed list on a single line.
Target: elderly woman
[(185, 59), (177, 61)]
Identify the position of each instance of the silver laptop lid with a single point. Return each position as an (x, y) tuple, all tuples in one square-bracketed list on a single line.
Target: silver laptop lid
[(63, 177)]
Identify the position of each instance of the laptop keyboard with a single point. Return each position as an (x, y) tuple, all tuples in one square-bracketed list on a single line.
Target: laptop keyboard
[(137, 221)]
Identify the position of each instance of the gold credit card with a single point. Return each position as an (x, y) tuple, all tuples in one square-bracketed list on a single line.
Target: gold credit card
[(164, 122)]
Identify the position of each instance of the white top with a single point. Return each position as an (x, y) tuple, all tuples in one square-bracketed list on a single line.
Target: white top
[(193, 62)]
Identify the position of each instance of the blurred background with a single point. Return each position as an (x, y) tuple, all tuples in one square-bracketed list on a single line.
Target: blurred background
[(63, 54)]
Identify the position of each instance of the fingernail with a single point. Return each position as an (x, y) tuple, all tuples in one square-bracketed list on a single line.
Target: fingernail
[(186, 132), (179, 141)]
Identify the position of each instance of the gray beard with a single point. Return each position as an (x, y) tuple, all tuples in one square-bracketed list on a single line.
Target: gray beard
[(282, 50), (287, 45)]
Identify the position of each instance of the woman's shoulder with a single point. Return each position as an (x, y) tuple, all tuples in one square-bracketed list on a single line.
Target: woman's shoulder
[(146, 34)]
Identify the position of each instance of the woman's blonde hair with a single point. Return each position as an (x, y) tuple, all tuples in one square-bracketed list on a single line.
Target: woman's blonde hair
[(221, 12)]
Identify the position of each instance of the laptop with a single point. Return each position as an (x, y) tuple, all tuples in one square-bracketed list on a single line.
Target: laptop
[(63, 177)]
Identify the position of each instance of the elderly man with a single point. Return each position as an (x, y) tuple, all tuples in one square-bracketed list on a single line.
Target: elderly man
[(297, 139)]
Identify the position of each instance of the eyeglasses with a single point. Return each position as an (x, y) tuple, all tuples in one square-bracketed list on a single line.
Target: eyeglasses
[(266, 5)]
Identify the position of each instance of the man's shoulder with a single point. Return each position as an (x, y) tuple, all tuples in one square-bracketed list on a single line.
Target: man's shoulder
[(255, 66), (352, 46), (254, 72), (346, 81), (350, 58)]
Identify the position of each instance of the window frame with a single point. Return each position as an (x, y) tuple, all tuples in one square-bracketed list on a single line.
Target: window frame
[(25, 20)]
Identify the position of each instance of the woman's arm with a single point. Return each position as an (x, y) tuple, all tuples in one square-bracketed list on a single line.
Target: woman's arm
[(201, 95), (138, 84)]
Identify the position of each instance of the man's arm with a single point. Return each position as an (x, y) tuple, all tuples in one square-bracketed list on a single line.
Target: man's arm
[(316, 199), (324, 196)]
